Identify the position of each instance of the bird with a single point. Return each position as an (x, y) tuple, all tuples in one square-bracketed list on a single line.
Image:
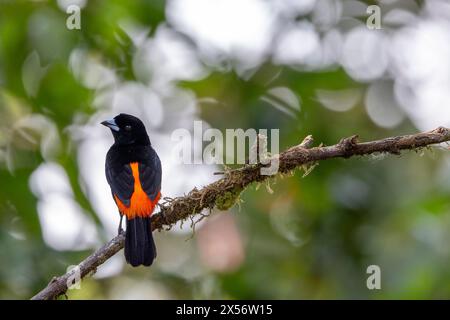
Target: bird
[(133, 171)]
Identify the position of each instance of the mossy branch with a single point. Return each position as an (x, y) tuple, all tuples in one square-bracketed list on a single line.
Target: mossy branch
[(224, 193)]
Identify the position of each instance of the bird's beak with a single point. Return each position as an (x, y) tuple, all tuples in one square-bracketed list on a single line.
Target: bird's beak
[(111, 124)]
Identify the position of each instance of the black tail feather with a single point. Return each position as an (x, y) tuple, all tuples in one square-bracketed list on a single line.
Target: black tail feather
[(140, 248)]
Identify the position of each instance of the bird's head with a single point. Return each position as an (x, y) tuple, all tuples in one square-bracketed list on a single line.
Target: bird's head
[(127, 129)]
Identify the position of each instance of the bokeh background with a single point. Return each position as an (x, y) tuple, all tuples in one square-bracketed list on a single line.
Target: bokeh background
[(301, 66)]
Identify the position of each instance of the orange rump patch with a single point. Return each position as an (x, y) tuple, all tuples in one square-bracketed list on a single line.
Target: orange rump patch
[(140, 204)]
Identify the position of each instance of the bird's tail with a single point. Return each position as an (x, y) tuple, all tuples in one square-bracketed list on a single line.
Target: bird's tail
[(140, 248)]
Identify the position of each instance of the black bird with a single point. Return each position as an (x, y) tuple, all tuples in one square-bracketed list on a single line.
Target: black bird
[(133, 171)]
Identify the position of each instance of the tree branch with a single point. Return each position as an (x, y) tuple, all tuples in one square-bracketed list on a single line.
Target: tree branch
[(224, 193)]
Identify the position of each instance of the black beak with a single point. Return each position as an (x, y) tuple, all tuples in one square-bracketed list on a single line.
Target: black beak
[(111, 124)]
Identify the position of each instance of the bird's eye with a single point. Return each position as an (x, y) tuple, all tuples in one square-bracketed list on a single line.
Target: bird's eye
[(127, 127)]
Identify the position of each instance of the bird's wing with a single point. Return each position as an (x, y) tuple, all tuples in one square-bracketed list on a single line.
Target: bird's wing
[(150, 176), (121, 181)]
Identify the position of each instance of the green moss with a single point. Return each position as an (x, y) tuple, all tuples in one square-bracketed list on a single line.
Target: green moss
[(228, 199)]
